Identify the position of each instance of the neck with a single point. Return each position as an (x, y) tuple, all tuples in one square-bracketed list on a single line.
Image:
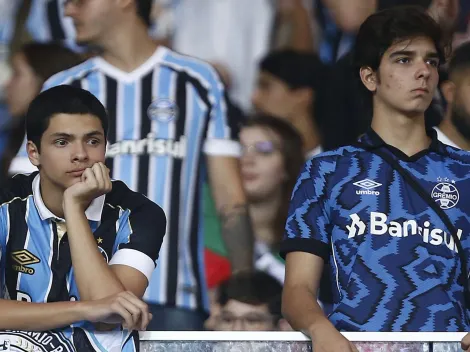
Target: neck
[(128, 46), (451, 132), (263, 215), (405, 133), (304, 123), (52, 197)]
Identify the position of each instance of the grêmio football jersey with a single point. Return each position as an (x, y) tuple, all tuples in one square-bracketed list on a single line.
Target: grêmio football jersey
[(36, 262), (392, 262)]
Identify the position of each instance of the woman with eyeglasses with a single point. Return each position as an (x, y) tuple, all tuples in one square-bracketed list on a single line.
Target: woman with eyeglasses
[(271, 160)]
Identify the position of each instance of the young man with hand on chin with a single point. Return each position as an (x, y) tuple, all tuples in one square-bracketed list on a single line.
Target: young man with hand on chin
[(384, 213), (76, 248)]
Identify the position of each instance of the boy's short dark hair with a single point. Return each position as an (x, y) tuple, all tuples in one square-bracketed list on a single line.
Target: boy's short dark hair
[(294, 68), (254, 288), (385, 28), (460, 60), (63, 99), (144, 9)]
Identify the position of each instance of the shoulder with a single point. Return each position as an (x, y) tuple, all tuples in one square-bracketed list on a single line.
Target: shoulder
[(17, 188), (192, 66), (74, 73), (330, 161), (457, 155), (124, 198)]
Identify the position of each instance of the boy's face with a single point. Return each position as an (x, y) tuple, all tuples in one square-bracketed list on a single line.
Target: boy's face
[(239, 316), (407, 77), (70, 144), (274, 97)]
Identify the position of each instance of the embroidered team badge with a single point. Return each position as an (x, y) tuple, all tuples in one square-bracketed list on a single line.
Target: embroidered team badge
[(445, 193), (162, 110)]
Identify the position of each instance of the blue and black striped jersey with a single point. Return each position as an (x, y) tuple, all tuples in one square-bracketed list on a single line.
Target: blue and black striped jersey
[(36, 263), (165, 117)]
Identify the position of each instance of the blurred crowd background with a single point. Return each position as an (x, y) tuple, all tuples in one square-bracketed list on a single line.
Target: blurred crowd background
[(286, 65)]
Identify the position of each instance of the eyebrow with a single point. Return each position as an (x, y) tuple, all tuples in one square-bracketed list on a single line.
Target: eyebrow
[(429, 54), (68, 135)]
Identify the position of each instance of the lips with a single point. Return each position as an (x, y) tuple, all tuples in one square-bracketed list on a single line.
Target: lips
[(76, 173), (421, 90)]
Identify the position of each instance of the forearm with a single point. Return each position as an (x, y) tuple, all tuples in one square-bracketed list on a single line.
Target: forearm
[(231, 204), (17, 315), (237, 234), (94, 278), (301, 309)]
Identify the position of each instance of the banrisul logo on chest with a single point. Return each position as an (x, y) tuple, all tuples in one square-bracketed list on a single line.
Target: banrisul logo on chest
[(378, 224), (445, 193)]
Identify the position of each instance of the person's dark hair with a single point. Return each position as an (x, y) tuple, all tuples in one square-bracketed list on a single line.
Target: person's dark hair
[(295, 68), (144, 10), (254, 288), (292, 152), (385, 28), (61, 99), (47, 59), (460, 60)]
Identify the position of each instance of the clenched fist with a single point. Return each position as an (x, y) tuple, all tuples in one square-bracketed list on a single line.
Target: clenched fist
[(94, 182)]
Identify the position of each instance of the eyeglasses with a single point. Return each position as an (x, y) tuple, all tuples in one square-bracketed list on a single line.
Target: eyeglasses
[(249, 320), (262, 148)]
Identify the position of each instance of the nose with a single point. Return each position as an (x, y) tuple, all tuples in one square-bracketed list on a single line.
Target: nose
[(423, 70), (79, 152), (247, 157), (255, 97), (70, 8)]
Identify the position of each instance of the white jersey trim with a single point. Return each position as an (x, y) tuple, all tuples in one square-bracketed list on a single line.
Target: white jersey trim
[(134, 259), (129, 77), (222, 147)]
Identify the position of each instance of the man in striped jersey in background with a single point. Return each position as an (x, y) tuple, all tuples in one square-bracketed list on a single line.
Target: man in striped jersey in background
[(166, 111)]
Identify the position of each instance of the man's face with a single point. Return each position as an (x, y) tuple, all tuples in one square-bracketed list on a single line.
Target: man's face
[(92, 19), (274, 97), (70, 144), (460, 106), (238, 316), (407, 77)]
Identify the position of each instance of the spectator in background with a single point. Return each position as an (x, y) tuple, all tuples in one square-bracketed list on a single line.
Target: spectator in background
[(250, 301), (171, 127), (288, 87), (270, 163), (32, 65), (454, 130)]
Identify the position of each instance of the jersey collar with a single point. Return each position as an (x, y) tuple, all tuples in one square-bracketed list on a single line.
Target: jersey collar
[(92, 213), (372, 140)]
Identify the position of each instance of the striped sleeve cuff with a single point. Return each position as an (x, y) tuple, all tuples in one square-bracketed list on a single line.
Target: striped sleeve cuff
[(134, 259), (309, 245), (222, 147)]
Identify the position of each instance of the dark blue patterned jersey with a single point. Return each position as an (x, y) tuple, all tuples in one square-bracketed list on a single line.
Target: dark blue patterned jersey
[(393, 264)]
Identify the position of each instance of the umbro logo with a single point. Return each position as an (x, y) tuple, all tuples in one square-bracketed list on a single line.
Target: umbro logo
[(23, 258), (367, 186)]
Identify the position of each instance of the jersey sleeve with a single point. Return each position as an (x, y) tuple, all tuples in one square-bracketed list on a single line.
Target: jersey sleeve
[(222, 129), (308, 224), (139, 235)]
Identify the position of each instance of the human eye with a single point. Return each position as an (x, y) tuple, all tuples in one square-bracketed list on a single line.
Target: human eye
[(403, 60), (94, 141), (60, 143), (433, 62)]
